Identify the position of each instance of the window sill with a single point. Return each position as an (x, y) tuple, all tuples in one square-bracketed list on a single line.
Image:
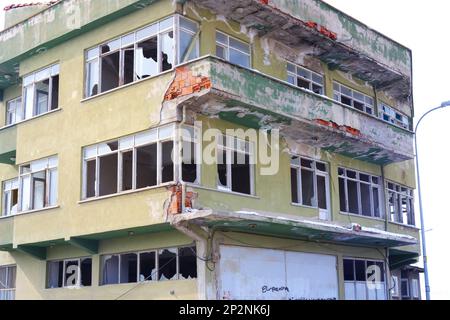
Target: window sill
[(362, 217), (225, 191), (404, 225), (32, 118), (298, 205), (30, 212), (124, 193), (149, 282)]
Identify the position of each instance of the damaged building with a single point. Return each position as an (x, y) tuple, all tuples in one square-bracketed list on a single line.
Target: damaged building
[(105, 110)]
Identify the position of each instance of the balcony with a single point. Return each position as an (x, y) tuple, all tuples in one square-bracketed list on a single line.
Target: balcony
[(214, 87), (8, 138), (334, 37)]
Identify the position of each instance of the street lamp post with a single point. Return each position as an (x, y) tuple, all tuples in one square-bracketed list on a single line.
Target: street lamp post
[(422, 225)]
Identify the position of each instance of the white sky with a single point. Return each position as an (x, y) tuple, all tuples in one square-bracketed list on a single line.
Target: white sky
[(424, 29)]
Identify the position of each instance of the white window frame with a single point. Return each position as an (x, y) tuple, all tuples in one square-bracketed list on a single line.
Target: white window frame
[(94, 54), (368, 102), (395, 287), (156, 135), (194, 137), (7, 188), (371, 184), (246, 148), (408, 294), (415, 288), (390, 115), (47, 165), (355, 282), (295, 71), (226, 46), (29, 82), (399, 192), (297, 165), (8, 293), (138, 254), (78, 284), (14, 110)]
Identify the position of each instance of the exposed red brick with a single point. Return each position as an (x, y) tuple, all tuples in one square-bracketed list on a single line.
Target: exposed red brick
[(264, 1), (176, 199), (185, 84), (326, 123)]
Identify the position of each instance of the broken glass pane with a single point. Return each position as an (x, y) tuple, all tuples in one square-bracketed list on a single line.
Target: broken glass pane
[(86, 272), (167, 259), (187, 263), (110, 269), (240, 173), (147, 58), (147, 266), (42, 96), (110, 71), (167, 51), (146, 166), (189, 164), (128, 268), (54, 274)]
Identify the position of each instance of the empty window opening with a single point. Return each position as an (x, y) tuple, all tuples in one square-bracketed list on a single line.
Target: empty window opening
[(233, 50), (353, 98), (10, 197), (40, 93), (309, 182), (304, 78), (38, 184), (161, 265), (133, 162), (401, 204), (359, 193), (389, 114), (140, 54), (234, 165), (69, 273)]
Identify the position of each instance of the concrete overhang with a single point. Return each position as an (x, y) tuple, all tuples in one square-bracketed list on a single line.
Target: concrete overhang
[(55, 25), (334, 37), (256, 100), (293, 227), (400, 258)]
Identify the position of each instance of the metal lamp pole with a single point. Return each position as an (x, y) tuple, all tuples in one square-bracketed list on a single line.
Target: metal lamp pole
[(422, 230)]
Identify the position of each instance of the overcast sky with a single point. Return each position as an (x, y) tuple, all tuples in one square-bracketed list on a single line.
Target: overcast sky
[(424, 29)]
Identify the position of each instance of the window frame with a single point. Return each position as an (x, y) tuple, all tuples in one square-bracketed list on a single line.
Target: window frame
[(337, 96), (227, 46), (64, 261), (248, 145), (18, 107), (310, 81), (408, 289), (120, 151), (385, 110), (358, 181), (52, 164), (395, 287), (7, 187), (122, 46), (11, 290), (196, 140), (316, 172), (415, 288), (138, 265), (400, 191), (30, 81), (355, 282)]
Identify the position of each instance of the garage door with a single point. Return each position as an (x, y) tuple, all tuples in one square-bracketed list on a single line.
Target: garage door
[(253, 273)]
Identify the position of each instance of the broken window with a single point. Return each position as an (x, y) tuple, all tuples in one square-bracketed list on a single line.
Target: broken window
[(10, 197), (14, 111), (234, 165), (41, 92), (353, 98), (359, 193), (189, 154), (129, 163), (38, 184), (233, 50), (69, 273), (161, 265), (304, 78), (392, 116), (309, 182), (364, 280), (8, 282), (140, 54), (401, 204)]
